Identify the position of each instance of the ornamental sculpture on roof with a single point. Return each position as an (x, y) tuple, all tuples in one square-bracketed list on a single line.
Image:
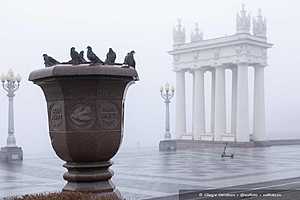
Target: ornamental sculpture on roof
[(196, 35), (179, 34), (243, 26), (260, 25), (243, 21)]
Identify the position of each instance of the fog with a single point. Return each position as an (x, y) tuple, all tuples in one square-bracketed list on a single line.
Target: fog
[(33, 27)]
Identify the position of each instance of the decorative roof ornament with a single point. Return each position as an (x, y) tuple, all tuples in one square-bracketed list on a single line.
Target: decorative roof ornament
[(178, 34), (243, 21), (259, 25), (196, 35)]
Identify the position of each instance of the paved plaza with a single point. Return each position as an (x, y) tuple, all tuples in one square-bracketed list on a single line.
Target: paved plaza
[(148, 173)]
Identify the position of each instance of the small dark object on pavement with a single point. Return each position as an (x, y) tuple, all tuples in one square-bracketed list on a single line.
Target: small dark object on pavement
[(226, 155)]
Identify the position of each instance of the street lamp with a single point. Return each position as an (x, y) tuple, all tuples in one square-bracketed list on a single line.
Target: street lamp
[(11, 84), (167, 93)]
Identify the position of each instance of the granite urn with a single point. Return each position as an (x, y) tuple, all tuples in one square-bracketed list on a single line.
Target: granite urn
[(85, 106)]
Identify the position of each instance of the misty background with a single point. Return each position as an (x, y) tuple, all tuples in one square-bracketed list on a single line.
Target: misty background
[(33, 27)]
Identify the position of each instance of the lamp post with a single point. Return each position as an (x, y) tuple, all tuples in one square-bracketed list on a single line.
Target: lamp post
[(167, 94), (11, 84)]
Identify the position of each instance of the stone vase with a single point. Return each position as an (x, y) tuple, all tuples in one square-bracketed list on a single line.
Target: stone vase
[(86, 113)]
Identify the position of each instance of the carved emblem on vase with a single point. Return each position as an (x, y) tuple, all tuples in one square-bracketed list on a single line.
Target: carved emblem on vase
[(109, 115), (82, 116), (55, 116), (109, 91)]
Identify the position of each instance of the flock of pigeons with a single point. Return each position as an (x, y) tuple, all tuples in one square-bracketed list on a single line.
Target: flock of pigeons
[(78, 58)]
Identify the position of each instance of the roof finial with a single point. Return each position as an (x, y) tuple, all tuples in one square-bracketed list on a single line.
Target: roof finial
[(178, 24), (178, 33), (196, 27), (259, 12), (243, 7), (243, 21), (260, 25), (196, 35)]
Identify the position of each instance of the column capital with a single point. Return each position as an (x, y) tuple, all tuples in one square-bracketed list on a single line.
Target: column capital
[(233, 68), (192, 71), (218, 66), (175, 69), (242, 64), (212, 69), (199, 69), (259, 66)]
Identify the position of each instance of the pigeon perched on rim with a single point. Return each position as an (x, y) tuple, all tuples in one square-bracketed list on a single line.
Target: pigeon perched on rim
[(110, 57), (76, 59), (93, 57), (129, 59), (81, 54), (49, 61)]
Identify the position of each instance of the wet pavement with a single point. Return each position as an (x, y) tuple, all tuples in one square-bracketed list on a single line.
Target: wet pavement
[(148, 173)]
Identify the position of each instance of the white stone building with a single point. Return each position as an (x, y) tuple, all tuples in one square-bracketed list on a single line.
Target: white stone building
[(237, 53)]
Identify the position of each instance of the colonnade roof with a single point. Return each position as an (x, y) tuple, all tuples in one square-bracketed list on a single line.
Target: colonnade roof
[(231, 40)]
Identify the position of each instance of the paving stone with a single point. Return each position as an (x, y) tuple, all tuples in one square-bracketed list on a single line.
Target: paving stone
[(148, 173)]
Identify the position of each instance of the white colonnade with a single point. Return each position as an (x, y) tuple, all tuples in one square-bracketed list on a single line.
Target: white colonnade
[(239, 130), (235, 52)]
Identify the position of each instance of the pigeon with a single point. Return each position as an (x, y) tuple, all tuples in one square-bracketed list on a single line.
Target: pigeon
[(110, 57), (126, 60), (81, 54), (49, 61), (93, 57), (76, 59), (129, 59)]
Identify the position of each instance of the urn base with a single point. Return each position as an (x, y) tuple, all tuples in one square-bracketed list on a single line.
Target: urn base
[(93, 187), (93, 177)]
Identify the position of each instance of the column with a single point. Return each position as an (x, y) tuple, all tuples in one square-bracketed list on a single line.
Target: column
[(259, 127), (234, 101), (242, 122), (193, 106), (199, 105), (220, 104), (180, 128), (212, 109), (167, 134), (11, 140)]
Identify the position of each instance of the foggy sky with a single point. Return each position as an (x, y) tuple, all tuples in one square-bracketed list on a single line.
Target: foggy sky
[(33, 27)]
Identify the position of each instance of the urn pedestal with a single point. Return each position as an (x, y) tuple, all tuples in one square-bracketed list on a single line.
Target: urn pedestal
[(86, 112)]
